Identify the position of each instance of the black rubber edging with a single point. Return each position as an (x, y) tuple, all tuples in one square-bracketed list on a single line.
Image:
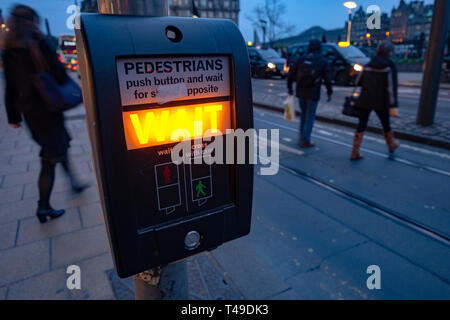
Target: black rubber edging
[(399, 134)]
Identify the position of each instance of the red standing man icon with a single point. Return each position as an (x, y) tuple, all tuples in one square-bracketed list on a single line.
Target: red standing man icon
[(167, 173)]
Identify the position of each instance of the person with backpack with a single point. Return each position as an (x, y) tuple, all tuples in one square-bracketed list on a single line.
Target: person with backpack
[(379, 82), (309, 72)]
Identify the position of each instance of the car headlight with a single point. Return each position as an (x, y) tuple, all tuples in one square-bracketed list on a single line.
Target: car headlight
[(358, 67), (270, 65)]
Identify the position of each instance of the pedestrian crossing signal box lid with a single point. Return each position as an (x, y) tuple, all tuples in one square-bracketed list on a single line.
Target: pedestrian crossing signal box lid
[(151, 204)]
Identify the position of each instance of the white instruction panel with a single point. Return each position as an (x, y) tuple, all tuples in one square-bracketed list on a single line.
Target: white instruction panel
[(164, 79)]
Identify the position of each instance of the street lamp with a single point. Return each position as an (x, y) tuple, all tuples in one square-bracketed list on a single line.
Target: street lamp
[(264, 24), (349, 5), (2, 23)]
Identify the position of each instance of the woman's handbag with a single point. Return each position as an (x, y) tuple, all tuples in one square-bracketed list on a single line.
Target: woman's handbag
[(351, 103), (57, 97), (350, 106)]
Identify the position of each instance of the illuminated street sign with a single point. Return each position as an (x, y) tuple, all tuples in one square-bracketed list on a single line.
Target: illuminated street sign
[(159, 126), (152, 81)]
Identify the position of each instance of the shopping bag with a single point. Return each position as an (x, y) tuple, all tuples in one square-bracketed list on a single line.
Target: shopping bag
[(289, 113)]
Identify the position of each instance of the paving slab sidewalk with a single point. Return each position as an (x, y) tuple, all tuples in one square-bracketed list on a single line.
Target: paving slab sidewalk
[(34, 257), (414, 80)]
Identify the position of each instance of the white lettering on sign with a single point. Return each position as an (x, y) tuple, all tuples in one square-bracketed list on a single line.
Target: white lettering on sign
[(161, 80)]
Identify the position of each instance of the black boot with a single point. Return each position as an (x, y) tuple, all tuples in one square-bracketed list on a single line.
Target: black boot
[(78, 188), (46, 211)]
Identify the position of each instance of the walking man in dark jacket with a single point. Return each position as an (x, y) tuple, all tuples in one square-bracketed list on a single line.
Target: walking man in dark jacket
[(309, 72)]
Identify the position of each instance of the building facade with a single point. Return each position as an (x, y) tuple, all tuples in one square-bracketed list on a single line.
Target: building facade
[(225, 9), (89, 6), (399, 22), (411, 21), (419, 21), (363, 36)]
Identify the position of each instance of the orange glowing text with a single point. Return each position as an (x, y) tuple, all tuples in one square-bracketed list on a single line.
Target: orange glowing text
[(159, 126)]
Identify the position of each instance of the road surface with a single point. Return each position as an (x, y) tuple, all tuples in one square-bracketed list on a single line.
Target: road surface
[(408, 97), (322, 221)]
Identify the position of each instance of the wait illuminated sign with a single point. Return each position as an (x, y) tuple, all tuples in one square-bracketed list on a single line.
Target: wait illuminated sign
[(159, 81), (159, 126)]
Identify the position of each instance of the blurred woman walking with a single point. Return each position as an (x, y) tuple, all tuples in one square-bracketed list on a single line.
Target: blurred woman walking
[(379, 84), (23, 101)]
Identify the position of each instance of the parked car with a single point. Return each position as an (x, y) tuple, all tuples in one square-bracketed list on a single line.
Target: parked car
[(370, 52), (266, 63), (345, 62)]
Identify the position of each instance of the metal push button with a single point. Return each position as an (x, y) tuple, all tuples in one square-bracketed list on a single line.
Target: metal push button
[(192, 240)]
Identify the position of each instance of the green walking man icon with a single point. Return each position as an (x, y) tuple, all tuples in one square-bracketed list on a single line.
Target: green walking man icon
[(200, 189)]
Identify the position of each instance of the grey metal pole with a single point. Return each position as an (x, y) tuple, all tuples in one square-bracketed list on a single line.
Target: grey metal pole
[(170, 282), (2, 23), (47, 27), (264, 31), (433, 63), (349, 26)]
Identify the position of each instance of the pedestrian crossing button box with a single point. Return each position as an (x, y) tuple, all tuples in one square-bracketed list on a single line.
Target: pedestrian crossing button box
[(145, 80)]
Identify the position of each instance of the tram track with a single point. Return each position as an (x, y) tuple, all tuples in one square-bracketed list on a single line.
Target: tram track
[(374, 206), (377, 208)]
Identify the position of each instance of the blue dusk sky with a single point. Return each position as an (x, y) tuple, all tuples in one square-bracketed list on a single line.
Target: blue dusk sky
[(303, 14)]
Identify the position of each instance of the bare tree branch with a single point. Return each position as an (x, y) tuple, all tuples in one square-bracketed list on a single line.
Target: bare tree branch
[(269, 17)]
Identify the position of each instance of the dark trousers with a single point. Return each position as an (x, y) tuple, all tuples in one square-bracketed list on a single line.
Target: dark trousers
[(307, 118), (383, 115)]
